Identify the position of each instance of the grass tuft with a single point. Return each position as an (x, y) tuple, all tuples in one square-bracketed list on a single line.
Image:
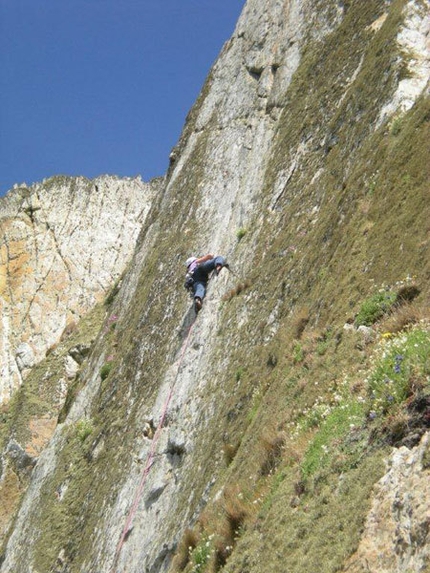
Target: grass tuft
[(187, 545), (300, 322), (237, 290), (272, 449), (240, 233), (230, 451), (105, 370), (236, 513)]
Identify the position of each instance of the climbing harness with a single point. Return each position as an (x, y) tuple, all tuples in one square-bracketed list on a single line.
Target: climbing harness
[(192, 266), (150, 458), (189, 282)]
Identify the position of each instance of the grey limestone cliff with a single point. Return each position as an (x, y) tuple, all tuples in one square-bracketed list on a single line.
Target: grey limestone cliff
[(64, 243)]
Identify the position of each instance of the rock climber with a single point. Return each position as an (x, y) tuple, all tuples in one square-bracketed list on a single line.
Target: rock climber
[(198, 273)]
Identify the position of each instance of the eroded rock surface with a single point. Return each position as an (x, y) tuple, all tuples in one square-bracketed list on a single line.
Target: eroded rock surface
[(64, 242), (396, 538)]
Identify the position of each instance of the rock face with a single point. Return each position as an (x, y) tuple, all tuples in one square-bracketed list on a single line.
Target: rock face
[(397, 533), (248, 433), (64, 243)]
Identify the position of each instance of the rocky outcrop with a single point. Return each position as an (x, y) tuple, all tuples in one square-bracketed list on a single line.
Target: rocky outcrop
[(396, 537), (64, 243), (414, 41)]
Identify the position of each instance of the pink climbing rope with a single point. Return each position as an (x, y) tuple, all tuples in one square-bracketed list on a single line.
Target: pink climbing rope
[(149, 460)]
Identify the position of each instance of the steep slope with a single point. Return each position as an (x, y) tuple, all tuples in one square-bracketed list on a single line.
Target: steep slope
[(303, 163), (64, 243)]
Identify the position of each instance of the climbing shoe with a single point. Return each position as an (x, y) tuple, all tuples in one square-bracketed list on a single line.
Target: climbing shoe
[(197, 304)]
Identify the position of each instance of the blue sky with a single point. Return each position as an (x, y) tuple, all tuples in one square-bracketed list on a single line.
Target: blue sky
[(89, 87)]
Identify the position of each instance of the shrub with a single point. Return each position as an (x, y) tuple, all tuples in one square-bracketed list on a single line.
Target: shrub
[(105, 370), (324, 342), (298, 353), (84, 428), (396, 126), (239, 373), (112, 294), (375, 308), (240, 233)]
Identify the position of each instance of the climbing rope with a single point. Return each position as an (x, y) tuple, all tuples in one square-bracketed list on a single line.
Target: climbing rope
[(150, 459)]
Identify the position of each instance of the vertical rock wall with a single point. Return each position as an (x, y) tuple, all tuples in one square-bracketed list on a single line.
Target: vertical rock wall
[(64, 243)]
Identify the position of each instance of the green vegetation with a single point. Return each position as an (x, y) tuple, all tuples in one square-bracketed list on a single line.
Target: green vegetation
[(298, 353), (105, 370), (328, 444), (200, 555), (325, 459), (112, 293), (399, 369), (40, 395), (396, 126), (240, 233), (239, 373), (402, 367), (375, 308), (84, 428)]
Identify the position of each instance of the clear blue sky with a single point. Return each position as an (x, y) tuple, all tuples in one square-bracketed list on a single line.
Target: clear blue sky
[(89, 87)]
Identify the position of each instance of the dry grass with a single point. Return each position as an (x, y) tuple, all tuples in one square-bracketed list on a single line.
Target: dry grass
[(221, 554), (272, 449), (365, 206), (299, 323), (236, 512), (188, 542), (407, 293), (222, 524), (404, 316), (395, 426), (230, 451), (69, 329), (10, 493), (293, 452), (240, 287)]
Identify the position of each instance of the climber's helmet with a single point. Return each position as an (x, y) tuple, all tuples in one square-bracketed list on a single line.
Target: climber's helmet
[(190, 261)]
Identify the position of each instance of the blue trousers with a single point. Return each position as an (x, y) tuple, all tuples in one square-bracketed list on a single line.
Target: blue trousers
[(200, 289), (201, 275)]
